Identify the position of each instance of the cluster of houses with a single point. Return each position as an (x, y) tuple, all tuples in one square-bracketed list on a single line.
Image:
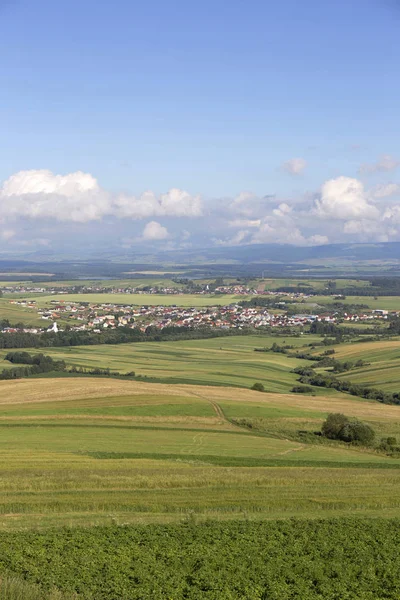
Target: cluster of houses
[(86, 316)]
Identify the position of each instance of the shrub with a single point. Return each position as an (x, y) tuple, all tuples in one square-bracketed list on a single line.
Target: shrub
[(333, 425), (258, 387), (301, 389), (357, 432), (339, 427)]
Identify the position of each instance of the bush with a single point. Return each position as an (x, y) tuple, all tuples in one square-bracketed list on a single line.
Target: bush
[(258, 387), (357, 432), (339, 427), (333, 425), (301, 389)]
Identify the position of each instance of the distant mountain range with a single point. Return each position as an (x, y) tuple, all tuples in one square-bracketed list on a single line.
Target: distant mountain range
[(285, 253), (268, 259)]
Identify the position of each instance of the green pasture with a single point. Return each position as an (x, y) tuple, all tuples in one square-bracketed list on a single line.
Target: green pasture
[(381, 302), (157, 281), (229, 361), (383, 368), (140, 299), (163, 452), (19, 314), (314, 283)]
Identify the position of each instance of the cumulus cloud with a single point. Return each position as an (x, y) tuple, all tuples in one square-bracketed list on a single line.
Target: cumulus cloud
[(39, 194), (384, 164), (294, 166), (282, 210), (154, 231), (385, 191), (8, 234), (245, 223), (176, 203), (343, 209), (318, 240), (239, 238), (344, 198)]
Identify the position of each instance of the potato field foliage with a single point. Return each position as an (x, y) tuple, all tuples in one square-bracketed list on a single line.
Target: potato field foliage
[(339, 559)]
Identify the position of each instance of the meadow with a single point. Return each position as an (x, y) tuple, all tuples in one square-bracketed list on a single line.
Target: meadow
[(19, 314), (197, 300), (94, 451), (381, 302), (382, 358), (220, 361)]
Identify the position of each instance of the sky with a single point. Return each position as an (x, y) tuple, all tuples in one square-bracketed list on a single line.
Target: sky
[(196, 124)]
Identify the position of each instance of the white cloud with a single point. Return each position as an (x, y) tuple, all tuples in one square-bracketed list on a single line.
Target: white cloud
[(392, 214), (344, 198), (236, 240), (295, 166), (40, 194), (384, 191), (384, 164), (282, 210), (318, 240), (8, 234), (155, 231), (78, 197), (242, 223)]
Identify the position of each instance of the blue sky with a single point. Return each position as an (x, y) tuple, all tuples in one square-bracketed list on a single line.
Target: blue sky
[(213, 98)]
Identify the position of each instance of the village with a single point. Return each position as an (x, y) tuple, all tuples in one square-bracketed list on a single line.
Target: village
[(96, 317)]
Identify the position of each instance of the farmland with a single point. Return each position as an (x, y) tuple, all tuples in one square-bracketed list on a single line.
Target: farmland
[(222, 361), (87, 451), (142, 299), (184, 452)]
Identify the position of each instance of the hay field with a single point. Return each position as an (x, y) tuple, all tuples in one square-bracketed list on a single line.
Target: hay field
[(383, 368), (19, 314), (88, 451), (382, 302), (220, 361), (141, 299)]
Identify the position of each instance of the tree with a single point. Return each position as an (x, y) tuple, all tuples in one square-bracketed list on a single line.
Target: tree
[(258, 387), (339, 427), (333, 425), (356, 431), (302, 389)]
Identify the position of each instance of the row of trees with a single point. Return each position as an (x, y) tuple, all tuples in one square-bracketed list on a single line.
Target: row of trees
[(309, 377), (34, 365), (122, 335)]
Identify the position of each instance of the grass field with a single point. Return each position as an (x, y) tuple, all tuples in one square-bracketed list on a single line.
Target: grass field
[(219, 361), (382, 302), (19, 314), (141, 299), (383, 368), (86, 451)]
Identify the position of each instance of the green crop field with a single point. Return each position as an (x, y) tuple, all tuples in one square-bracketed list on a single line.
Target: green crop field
[(219, 361), (140, 299), (382, 302), (383, 363), (85, 451), (19, 314)]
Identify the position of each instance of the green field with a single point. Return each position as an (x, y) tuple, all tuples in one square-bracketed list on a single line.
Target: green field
[(85, 451), (19, 314), (219, 361), (382, 302), (383, 368), (141, 299)]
